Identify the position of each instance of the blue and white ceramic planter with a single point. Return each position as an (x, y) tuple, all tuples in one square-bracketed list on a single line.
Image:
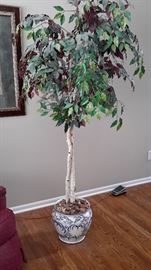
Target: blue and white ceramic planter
[(72, 228)]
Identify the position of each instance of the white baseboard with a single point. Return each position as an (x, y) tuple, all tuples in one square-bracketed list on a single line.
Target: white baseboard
[(86, 193)]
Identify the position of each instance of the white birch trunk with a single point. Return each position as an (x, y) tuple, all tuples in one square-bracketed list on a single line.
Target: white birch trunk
[(72, 180), (70, 177)]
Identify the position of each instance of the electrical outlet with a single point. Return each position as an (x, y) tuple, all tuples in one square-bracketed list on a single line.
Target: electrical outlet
[(149, 155)]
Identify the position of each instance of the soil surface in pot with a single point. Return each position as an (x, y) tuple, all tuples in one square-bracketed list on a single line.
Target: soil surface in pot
[(77, 207)]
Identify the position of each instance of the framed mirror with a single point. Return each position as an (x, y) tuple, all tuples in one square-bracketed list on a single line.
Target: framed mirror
[(11, 102)]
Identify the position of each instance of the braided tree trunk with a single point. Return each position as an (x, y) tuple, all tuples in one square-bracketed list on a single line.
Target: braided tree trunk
[(70, 177)]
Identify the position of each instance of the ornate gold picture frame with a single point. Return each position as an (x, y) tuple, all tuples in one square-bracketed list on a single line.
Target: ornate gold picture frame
[(11, 103)]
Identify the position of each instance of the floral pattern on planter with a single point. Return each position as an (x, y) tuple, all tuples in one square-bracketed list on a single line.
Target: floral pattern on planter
[(72, 228)]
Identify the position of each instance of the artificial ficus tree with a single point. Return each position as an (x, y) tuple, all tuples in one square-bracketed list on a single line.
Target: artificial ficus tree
[(72, 71)]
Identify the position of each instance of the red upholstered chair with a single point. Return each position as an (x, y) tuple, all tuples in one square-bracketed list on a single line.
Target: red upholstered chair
[(11, 254)]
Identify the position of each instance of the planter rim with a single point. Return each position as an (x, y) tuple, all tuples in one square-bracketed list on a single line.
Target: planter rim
[(72, 214)]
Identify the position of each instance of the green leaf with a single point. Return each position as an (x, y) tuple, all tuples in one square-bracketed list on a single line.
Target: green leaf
[(43, 106), (116, 41), (31, 67), (142, 72), (87, 7), (127, 15), (103, 97), (62, 19), (114, 112), (44, 113), (102, 109), (116, 13), (127, 47), (121, 47), (84, 68), (38, 33), (90, 107), (84, 102), (70, 111), (136, 71), (62, 43), (76, 108), (105, 36), (71, 18), (57, 16), (114, 123), (85, 86), (122, 6), (27, 24), (68, 106), (133, 61), (113, 47), (59, 8), (108, 44), (39, 18), (30, 35), (77, 22), (119, 124), (104, 3), (98, 115), (60, 122), (112, 7)]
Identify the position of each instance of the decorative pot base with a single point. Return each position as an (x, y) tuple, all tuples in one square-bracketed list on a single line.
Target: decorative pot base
[(72, 228), (71, 241)]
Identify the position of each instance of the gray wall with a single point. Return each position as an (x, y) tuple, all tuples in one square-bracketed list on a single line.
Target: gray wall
[(33, 150)]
